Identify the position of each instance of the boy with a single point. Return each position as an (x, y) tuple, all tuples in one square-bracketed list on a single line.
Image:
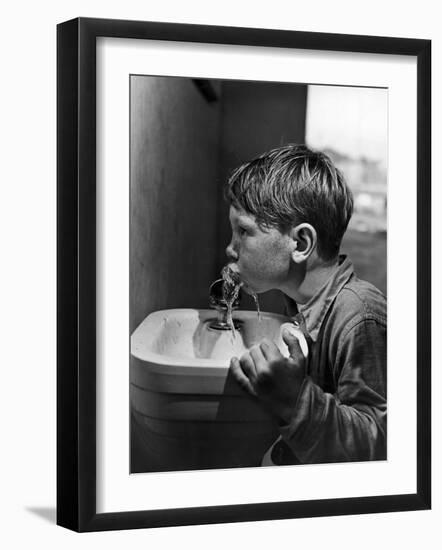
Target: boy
[(289, 210)]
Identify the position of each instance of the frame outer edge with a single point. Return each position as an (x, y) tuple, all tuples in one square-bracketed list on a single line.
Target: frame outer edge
[(67, 265), (87, 287), (250, 36), (424, 274)]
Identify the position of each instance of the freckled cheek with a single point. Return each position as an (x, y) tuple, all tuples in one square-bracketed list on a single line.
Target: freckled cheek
[(275, 261), (248, 259), (260, 264)]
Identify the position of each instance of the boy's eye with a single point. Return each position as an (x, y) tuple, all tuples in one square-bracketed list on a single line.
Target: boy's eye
[(242, 230)]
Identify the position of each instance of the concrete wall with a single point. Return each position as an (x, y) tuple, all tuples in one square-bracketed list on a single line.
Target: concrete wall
[(174, 183), (256, 117)]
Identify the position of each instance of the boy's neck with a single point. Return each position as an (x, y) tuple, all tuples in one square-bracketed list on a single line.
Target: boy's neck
[(313, 278)]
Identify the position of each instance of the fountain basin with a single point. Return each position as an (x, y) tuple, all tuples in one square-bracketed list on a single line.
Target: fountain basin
[(187, 410)]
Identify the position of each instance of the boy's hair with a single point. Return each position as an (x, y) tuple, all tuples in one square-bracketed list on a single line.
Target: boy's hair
[(291, 185)]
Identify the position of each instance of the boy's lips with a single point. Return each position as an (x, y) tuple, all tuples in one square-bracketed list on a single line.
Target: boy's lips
[(234, 270), (244, 283)]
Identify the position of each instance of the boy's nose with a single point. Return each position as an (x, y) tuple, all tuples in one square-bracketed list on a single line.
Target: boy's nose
[(230, 252)]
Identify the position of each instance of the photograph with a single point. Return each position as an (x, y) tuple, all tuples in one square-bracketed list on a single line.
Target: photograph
[(245, 221), (258, 273)]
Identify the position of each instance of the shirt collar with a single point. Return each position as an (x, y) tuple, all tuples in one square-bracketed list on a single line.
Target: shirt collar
[(311, 314)]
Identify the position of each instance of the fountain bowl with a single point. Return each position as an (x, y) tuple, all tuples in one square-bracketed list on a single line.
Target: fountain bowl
[(187, 410)]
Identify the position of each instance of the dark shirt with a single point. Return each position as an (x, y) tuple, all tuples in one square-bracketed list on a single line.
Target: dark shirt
[(341, 411)]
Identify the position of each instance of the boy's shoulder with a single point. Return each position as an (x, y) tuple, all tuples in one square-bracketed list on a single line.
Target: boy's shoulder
[(359, 299)]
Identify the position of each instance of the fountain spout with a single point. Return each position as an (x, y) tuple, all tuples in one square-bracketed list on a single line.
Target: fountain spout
[(217, 301)]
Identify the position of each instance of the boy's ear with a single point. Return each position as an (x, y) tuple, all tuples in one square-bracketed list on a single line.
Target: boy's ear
[(305, 239)]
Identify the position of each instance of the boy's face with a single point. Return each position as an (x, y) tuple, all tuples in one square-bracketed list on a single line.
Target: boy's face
[(261, 257)]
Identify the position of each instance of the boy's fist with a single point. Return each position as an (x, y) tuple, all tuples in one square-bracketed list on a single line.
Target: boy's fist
[(274, 379)]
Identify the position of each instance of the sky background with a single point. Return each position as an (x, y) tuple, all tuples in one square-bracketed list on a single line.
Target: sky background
[(350, 120)]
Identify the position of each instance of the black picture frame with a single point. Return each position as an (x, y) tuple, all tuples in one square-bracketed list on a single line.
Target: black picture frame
[(76, 274)]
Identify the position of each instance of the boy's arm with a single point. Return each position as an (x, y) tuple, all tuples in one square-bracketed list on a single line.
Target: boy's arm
[(352, 423)]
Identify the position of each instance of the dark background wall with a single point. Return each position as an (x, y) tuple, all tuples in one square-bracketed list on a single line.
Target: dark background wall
[(184, 143), (256, 117), (174, 185)]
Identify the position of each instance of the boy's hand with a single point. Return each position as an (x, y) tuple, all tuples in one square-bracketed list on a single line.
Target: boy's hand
[(274, 379)]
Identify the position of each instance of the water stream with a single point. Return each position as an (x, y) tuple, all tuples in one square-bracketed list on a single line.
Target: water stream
[(231, 288), (258, 311)]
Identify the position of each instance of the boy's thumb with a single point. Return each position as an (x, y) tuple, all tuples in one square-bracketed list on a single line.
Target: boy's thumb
[(295, 341)]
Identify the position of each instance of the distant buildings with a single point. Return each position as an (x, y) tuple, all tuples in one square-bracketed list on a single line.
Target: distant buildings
[(368, 181)]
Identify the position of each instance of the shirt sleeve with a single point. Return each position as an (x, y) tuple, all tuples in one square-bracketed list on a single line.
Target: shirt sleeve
[(350, 425)]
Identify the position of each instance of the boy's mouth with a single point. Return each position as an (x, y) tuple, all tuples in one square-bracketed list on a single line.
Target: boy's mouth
[(238, 279), (231, 275), (232, 268)]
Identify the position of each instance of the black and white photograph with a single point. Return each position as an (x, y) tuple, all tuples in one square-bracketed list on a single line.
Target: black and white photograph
[(258, 273)]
